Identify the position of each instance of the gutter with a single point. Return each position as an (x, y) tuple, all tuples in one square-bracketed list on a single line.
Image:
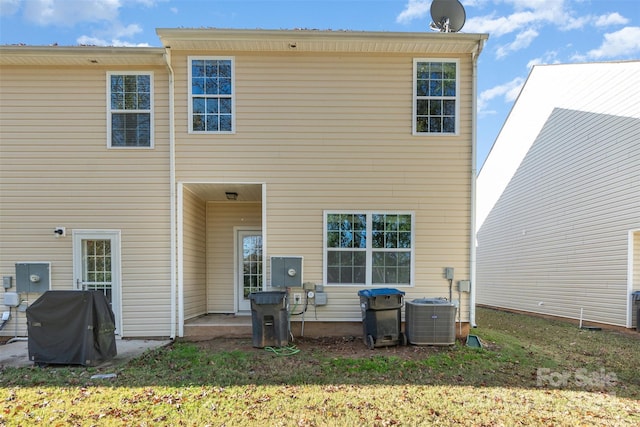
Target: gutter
[(172, 190), (474, 171)]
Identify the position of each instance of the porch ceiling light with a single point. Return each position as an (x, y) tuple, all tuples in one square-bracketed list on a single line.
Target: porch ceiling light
[(231, 195)]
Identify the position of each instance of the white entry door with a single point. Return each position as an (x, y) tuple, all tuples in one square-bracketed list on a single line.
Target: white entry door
[(96, 265), (248, 267)]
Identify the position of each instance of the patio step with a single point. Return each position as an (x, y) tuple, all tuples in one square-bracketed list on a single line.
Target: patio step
[(216, 331)]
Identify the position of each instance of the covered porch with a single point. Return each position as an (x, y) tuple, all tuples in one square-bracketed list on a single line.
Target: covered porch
[(220, 256)]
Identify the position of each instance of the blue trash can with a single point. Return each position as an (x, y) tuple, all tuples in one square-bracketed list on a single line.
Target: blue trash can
[(381, 317)]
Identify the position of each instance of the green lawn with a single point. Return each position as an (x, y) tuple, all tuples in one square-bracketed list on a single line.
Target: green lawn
[(531, 371)]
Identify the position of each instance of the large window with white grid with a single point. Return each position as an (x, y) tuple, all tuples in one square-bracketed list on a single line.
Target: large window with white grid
[(211, 95), (369, 248), (130, 110), (436, 97)]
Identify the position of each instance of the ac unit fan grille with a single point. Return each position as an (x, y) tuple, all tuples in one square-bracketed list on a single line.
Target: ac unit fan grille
[(430, 324)]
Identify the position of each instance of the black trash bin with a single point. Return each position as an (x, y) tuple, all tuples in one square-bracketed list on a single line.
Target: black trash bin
[(381, 317), (635, 297), (71, 328), (269, 319)]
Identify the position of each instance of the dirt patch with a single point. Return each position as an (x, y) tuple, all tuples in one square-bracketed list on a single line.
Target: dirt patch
[(347, 346)]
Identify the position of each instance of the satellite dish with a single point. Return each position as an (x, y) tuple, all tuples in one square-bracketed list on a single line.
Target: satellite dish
[(448, 16)]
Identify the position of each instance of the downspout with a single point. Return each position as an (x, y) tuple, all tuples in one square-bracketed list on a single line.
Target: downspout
[(474, 171), (172, 190)]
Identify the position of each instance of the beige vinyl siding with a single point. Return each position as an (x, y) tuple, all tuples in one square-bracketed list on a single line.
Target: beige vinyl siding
[(333, 132), (559, 233), (222, 217), (56, 170), (194, 255)]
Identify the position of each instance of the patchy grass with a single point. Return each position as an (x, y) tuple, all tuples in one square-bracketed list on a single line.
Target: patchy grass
[(531, 371)]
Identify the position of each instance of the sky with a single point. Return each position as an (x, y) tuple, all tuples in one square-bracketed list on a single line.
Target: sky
[(522, 33)]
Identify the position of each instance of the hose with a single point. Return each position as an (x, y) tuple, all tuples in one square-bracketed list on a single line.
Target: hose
[(284, 351)]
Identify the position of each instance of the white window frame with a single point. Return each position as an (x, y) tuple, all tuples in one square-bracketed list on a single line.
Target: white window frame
[(190, 60), (369, 249), (150, 111), (456, 98)]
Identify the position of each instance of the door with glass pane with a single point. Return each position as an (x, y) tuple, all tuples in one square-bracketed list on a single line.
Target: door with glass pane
[(96, 263), (249, 266)]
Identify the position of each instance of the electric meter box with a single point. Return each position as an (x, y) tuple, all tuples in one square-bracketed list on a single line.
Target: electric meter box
[(286, 272), (32, 277)]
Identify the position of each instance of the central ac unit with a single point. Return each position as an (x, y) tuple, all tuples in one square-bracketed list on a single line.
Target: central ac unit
[(430, 321)]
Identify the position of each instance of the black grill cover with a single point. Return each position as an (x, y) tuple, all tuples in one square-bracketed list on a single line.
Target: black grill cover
[(71, 328)]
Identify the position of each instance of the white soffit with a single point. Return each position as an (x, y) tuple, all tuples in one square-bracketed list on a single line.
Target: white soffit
[(81, 56), (604, 88), (225, 40)]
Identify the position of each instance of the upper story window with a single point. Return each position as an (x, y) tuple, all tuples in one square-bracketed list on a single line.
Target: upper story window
[(130, 112), (436, 99), (368, 248), (211, 95)]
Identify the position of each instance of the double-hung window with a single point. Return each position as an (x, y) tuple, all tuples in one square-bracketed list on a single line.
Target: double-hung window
[(211, 95), (130, 110), (368, 248), (436, 97)]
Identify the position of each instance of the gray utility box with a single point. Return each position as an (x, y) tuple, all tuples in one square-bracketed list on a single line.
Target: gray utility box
[(32, 277), (286, 272), (635, 298), (430, 321), (381, 317), (269, 318)]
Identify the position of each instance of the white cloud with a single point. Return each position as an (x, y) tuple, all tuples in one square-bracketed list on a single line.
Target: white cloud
[(522, 41), (550, 57), (9, 7), (610, 19), (500, 25), (102, 15), (95, 41), (415, 9), (526, 13), (622, 44), (126, 31), (508, 91), (419, 9), (67, 13)]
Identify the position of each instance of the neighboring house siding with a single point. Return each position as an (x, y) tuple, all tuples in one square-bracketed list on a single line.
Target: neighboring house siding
[(195, 255), (636, 261), (333, 132), (557, 239), (56, 170), (635, 275)]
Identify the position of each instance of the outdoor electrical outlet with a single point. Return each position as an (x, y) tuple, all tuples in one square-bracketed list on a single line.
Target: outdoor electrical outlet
[(297, 298)]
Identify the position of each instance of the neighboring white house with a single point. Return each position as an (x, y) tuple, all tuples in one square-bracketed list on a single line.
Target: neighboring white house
[(558, 213)]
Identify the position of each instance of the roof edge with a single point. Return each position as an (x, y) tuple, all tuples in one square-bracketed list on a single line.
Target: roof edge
[(78, 55), (233, 38)]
